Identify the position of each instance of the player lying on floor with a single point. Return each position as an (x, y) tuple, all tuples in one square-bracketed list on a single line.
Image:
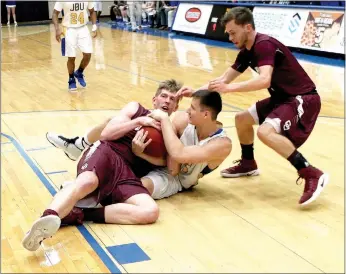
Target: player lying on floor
[(109, 171), (185, 168), (195, 142)]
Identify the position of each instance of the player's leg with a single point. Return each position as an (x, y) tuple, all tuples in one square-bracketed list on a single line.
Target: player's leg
[(71, 46), (8, 15), (48, 224), (140, 208), (125, 198), (85, 45), (160, 184), (244, 122), (93, 169), (13, 10), (285, 130), (73, 147)]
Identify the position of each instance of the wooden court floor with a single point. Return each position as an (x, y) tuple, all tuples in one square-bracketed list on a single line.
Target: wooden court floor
[(223, 225)]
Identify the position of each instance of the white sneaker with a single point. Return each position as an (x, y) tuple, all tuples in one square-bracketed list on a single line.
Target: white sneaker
[(43, 228), (67, 145)]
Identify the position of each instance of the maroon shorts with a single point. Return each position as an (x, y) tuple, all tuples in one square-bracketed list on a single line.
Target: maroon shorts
[(294, 118), (117, 182)]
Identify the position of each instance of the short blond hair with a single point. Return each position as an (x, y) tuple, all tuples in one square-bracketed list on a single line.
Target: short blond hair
[(171, 85)]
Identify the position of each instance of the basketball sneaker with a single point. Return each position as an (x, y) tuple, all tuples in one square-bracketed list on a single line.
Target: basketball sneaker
[(244, 167), (69, 146), (43, 228), (80, 78), (72, 84), (315, 181)]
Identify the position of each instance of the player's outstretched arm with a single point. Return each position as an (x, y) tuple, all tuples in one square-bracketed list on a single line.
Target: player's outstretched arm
[(263, 81), (227, 77), (212, 151)]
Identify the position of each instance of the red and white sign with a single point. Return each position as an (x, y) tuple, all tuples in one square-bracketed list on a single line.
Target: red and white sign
[(192, 18), (193, 15)]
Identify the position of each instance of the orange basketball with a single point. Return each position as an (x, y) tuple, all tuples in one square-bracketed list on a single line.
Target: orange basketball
[(157, 146)]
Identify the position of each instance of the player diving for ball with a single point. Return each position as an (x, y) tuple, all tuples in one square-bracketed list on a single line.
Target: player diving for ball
[(200, 140), (109, 173), (202, 146)]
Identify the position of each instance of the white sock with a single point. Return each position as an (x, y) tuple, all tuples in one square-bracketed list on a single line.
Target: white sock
[(83, 142), (86, 140)]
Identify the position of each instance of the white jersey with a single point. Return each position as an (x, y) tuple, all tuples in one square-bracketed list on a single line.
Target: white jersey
[(165, 184), (190, 173), (75, 13)]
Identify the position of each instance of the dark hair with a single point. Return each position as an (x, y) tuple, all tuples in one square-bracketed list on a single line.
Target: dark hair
[(211, 100), (240, 15), (170, 85)]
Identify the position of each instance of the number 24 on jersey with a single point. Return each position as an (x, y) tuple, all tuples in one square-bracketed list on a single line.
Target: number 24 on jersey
[(75, 17)]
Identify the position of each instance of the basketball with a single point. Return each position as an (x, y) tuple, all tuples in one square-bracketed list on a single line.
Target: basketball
[(157, 147)]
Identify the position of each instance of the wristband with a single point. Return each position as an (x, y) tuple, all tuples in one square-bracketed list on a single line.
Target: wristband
[(94, 28)]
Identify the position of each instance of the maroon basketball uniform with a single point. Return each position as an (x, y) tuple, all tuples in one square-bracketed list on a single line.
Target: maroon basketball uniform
[(116, 167), (294, 103)]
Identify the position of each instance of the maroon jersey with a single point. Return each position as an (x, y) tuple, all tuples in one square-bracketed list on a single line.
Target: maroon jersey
[(288, 78), (123, 147)]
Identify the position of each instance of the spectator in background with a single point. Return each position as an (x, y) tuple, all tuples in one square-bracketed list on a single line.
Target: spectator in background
[(135, 8), (150, 11), (171, 12), (11, 7), (119, 11), (163, 14)]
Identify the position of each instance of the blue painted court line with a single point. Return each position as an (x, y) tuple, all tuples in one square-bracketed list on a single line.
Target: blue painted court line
[(128, 253), (56, 172), (98, 249), (88, 237)]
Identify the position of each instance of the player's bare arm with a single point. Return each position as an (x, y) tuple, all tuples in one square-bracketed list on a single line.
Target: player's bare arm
[(55, 20), (179, 123), (191, 154), (261, 82), (227, 77), (93, 21), (123, 123)]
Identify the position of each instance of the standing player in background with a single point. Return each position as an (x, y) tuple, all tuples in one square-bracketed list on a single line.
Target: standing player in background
[(286, 118), (76, 34)]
